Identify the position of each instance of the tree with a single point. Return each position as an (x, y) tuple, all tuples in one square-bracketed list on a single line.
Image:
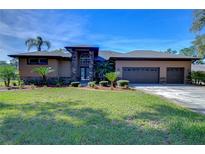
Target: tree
[(14, 62), (3, 63), (112, 77), (170, 51), (199, 44), (198, 21), (38, 43), (7, 73), (101, 68), (188, 51), (43, 72)]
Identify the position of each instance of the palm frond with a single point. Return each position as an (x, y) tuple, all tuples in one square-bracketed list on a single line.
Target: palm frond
[(47, 43), (199, 20), (30, 43)]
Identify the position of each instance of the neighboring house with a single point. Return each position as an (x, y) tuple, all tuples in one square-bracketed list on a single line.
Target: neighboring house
[(198, 67), (136, 66)]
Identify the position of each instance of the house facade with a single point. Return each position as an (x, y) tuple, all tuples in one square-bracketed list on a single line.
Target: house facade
[(78, 64)]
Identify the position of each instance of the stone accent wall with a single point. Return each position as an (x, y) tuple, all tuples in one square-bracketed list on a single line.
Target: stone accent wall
[(91, 66), (74, 66)]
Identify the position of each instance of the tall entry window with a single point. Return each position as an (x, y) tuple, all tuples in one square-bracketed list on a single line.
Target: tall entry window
[(84, 73), (84, 59)]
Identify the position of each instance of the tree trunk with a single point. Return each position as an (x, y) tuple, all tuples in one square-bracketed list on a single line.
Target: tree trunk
[(7, 82), (111, 85), (39, 48), (44, 80)]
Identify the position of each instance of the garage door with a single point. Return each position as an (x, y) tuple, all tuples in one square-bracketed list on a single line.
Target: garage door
[(175, 75), (141, 74)]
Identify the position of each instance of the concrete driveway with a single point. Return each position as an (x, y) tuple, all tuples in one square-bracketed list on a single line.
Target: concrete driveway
[(189, 96)]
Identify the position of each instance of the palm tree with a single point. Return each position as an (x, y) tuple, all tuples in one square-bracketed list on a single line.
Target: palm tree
[(199, 21), (38, 42), (112, 77), (43, 72), (199, 44)]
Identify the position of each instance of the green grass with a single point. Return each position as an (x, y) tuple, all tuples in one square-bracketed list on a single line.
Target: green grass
[(75, 116)]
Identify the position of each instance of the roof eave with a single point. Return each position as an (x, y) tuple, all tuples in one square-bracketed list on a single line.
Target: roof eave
[(27, 56), (152, 58)]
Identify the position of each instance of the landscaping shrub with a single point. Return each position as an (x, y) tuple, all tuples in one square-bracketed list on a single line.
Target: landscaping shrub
[(123, 83), (14, 83), (92, 84), (75, 84), (21, 84), (103, 83), (198, 77)]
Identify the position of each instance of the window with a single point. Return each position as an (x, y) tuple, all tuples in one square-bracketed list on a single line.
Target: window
[(43, 61), (84, 59), (37, 61)]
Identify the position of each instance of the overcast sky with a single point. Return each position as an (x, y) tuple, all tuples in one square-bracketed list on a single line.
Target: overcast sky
[(119, 30)]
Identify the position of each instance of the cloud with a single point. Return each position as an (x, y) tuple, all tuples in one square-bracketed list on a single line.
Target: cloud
[(60, 27), (57, 26)]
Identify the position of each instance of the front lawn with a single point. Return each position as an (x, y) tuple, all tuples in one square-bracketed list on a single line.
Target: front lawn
[(76, 116)]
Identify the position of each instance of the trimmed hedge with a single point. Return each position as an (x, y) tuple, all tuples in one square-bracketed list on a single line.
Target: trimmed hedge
[(123, 83), (75, 84), (92, 84), (103, 83)]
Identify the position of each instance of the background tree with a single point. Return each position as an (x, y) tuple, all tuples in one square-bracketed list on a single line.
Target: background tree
[(199, 44), (112, 77), (14, 62), (2, 63), (7, 73), (38, 42), (188, 51), (101, 68), (198, 21), (171, 51), (197, 26), (43, 72)]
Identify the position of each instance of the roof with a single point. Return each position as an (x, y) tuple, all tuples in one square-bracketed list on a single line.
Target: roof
[(54, 54), (198, 67), (83, 47), (133, 55), (143, 54)]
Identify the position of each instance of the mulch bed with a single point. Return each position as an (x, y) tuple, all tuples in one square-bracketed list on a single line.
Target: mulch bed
[(100, 88)]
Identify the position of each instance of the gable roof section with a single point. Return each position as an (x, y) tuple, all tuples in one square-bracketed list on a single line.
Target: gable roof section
[(143, 55)]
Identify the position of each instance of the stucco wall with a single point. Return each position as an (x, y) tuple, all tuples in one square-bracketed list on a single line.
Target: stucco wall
[(64, 68), (61, 68), (119, 64)]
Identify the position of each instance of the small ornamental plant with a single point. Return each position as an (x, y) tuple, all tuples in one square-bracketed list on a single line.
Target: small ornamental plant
[(103, 83), (75, 84), (112, 77), (123, 83)]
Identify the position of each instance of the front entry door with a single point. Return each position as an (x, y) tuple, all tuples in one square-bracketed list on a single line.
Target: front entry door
[(84, 73)]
